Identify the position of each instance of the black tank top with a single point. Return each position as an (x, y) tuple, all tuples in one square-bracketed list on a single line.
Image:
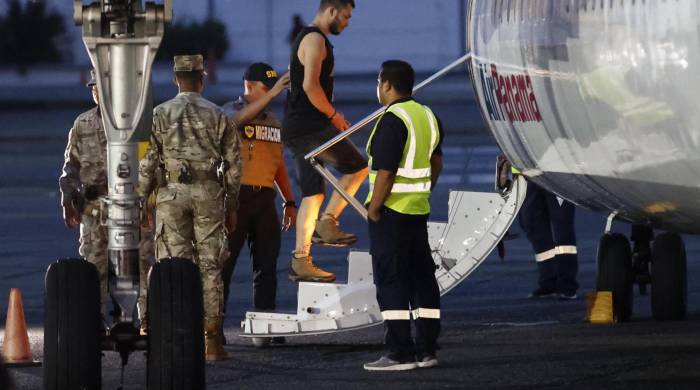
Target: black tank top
[(301, 116)]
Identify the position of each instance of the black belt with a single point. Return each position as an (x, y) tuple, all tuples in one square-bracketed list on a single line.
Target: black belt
[(245, 187), (190, 176)]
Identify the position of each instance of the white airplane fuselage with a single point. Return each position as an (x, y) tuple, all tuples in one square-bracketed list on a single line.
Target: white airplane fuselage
[(596, 100)]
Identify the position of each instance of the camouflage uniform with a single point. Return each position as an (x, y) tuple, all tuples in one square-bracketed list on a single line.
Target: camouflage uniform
[(190, 139), (84, 183)]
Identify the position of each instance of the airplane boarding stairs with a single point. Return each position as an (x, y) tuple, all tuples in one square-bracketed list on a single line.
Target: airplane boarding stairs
[(476, 224)]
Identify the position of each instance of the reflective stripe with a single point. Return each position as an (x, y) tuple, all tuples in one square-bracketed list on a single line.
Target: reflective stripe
[(426, 313), (548, 255), (396, 315), (404, 188), (433, 129), (566, 250), (413, 173), (411, 155), (559, 250)]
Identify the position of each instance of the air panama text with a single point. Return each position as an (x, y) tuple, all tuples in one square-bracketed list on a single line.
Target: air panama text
[(508, 97)]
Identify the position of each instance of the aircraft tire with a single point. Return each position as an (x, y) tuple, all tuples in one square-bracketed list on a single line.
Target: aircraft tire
[(615, 273), (175, 326), (72, 334), (669, 279)]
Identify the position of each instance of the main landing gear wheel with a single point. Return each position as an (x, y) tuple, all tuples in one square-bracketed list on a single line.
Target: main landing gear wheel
[(175, 326), (669, 281), (72, 339), (615, 273)]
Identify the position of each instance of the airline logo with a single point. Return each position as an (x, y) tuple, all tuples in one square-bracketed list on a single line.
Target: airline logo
[(508, 97)]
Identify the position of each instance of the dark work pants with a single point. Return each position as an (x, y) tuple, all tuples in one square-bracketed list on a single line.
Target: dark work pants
[(404, 274), (259, 225), (550, 228)]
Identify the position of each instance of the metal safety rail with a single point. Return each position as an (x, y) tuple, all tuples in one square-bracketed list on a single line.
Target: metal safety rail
[(312, 156)]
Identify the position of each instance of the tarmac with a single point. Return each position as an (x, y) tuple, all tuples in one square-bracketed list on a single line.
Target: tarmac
[(493, 336)]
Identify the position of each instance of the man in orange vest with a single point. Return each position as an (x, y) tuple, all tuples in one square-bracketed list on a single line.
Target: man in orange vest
[(263, 169)]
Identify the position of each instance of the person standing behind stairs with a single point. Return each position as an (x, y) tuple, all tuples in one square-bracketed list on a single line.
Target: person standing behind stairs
[(263, 168), (405, 160), (548, 223)]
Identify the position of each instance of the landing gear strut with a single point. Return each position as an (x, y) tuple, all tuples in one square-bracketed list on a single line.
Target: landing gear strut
[(641, 237)]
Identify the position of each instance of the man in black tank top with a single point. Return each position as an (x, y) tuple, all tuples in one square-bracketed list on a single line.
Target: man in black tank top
[(310, 121)]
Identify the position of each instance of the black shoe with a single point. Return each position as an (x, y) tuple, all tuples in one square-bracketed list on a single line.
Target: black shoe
[(387, 363), (543, 293)]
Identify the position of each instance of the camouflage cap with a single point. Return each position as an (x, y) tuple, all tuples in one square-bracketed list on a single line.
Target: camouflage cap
[(93, 80), (188, 63)]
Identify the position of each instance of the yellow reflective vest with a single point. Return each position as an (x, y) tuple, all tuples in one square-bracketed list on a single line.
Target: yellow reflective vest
[(411, 190)]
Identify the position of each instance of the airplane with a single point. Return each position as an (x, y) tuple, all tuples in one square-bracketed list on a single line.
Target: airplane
[(594, 100)]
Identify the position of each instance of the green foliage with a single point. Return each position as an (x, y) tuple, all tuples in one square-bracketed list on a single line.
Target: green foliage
[(30, 34), (194, 38)]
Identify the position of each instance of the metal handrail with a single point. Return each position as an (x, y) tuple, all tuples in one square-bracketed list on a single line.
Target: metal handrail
[(362, 123), (311, 157)]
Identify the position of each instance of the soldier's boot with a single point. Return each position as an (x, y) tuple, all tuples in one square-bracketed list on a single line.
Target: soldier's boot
[(328, 233), (143, 327), (304, 270), (214, 349)]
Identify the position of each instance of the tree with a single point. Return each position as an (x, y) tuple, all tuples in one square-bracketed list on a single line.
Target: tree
[(207, 38), (30, 35)]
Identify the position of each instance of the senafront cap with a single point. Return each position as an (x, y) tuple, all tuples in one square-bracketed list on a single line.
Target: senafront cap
[(93, 80), (262, 72), (188, 63)]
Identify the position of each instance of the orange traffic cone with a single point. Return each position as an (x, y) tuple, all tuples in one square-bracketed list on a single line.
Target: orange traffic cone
[(15, 348)]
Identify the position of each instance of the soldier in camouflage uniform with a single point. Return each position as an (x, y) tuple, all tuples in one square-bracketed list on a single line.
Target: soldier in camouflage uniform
[(199, 154), (83, 184)]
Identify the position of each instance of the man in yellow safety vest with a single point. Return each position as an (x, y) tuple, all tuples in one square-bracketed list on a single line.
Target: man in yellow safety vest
[(405, 160)]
